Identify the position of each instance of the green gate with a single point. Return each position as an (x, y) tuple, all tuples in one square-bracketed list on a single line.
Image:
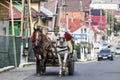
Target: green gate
[(10, 53)]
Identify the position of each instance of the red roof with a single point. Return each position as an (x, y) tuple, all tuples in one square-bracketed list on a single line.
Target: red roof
[(16, 13), (74, 25), (96, 21), (74, 20)]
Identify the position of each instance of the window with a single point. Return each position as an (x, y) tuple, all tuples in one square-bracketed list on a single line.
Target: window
[(85, 30), (119, 5), (81, 30)]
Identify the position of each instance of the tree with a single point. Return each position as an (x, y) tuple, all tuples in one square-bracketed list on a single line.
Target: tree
[(115, 26)]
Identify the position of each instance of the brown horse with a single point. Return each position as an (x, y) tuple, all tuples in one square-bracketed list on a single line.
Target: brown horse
[(42, 47)]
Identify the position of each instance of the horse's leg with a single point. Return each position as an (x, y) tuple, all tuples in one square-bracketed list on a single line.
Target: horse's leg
[(37, 64), (64, 62), (44, 65), (54, 53), (44, 59), (60, 64)]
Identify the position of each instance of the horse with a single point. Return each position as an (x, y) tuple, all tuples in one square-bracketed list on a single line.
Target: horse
[(67, 55), (42, 47)]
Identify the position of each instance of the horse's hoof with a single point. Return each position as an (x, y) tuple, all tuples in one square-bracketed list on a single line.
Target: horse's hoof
[(43, 73), (60, 75), (64, 73), (38, 74)]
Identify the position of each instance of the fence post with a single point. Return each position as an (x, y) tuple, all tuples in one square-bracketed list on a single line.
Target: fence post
[(13, 34)]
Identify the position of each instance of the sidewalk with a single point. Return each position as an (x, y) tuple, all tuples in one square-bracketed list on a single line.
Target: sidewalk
[(8, 68), (18, 73)]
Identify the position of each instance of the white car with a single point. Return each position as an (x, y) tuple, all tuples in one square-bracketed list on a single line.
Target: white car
[(96, 45), (117, 50), (104, 45)]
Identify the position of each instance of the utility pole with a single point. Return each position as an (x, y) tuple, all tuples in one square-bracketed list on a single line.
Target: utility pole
[(64, 24), (25, 27), (81, 6)]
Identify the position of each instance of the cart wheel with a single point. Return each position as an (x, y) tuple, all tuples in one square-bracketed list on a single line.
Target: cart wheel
[(71, 67)]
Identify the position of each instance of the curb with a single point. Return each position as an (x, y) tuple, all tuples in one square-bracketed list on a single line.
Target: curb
[(8, 68), (89, 60), (26, 64)]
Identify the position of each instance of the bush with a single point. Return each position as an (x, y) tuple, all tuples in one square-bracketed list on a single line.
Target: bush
[(77, 48)]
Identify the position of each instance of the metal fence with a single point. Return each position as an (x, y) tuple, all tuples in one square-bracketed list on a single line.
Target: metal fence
[(10, 50)]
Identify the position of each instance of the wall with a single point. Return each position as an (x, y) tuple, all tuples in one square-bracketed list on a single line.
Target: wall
[(4, 27)]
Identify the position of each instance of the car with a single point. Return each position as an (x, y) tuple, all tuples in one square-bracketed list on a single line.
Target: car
[(105, 54), (116, 34), (117, 50), (109, 45), (96, 45), (104, 45)]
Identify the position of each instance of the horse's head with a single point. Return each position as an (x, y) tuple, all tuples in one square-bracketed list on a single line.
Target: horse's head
[(37, 36), (62, 40)]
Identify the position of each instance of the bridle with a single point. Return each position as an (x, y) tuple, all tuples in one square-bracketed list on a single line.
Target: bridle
[(38, 38)]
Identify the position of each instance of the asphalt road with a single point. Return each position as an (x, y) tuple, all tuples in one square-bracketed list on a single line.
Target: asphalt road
[(102, 70), (93, 70)]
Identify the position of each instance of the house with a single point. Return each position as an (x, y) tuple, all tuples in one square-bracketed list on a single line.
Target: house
[(110, 7), (75, 13), (85, 33), (5, 17), (51, 5), (4, 20)]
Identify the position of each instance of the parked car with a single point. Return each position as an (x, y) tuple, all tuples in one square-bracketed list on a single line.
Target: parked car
[(117, 50), (116, 34), (105, 54), (118, 43), (96, 45), (104, 45), (109, 45)]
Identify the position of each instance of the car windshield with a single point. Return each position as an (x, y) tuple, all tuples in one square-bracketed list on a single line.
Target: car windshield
[(118, 48), (105, 52), (104, 44)]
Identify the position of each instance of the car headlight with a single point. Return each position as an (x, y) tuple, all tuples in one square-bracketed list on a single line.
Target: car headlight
[(99, 56), (109, 55)]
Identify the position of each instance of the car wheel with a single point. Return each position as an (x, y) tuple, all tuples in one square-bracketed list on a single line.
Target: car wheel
[(111, 58), (99, 59)]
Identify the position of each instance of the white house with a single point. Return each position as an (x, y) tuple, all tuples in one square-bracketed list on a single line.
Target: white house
[(104, 6), (84, 34)]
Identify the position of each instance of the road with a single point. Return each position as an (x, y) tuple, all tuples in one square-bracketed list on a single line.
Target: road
[(93, 70), (102, 70)]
